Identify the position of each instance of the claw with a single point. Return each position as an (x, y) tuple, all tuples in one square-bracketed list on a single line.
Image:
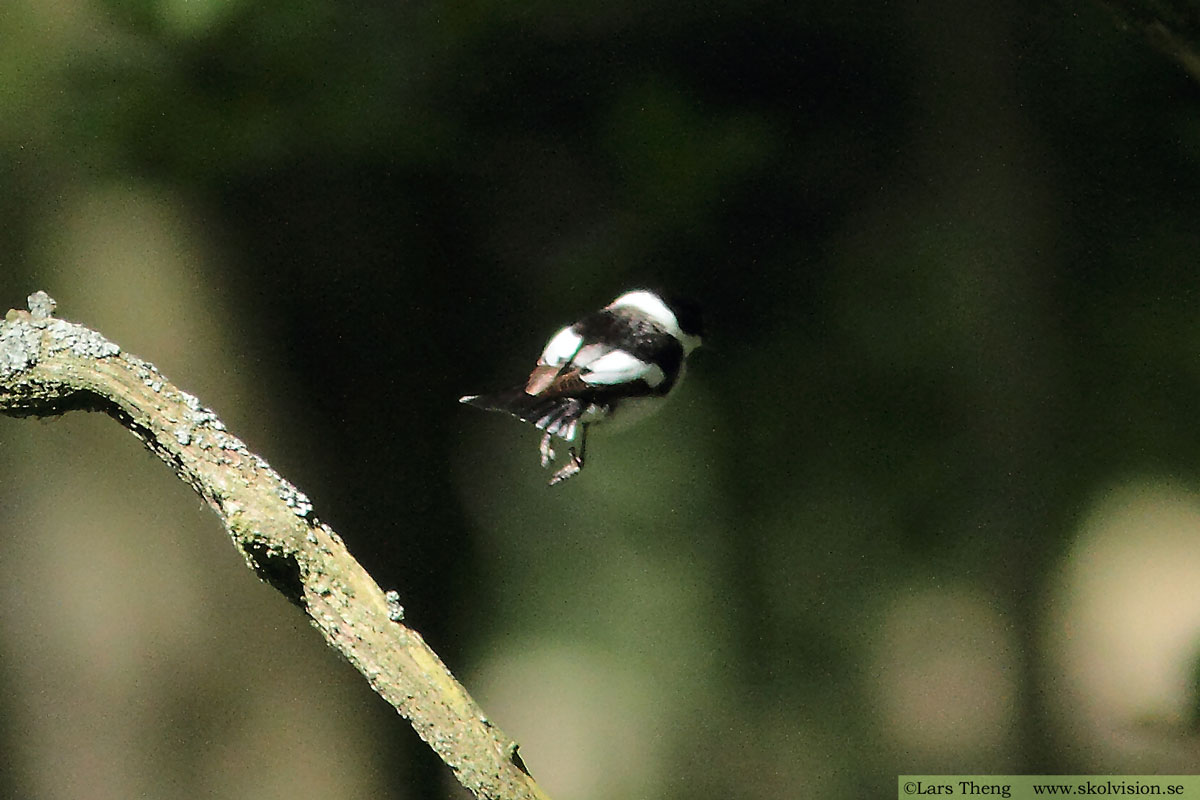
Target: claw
[(546, 450), (572, 468), (574, 464)]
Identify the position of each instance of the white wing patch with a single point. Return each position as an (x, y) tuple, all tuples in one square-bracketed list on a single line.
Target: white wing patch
[(614, 367), (562, 347)]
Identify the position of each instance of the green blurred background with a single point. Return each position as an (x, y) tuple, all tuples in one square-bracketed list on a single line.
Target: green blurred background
[(927, 502)]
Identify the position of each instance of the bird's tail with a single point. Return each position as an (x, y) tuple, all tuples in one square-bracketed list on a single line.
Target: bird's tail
[(555, 415)]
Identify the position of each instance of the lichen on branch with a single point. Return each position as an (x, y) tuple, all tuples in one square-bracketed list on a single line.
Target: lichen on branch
[(49, 366)]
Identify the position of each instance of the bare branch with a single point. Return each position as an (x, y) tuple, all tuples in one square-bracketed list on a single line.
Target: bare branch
[(49, 366)]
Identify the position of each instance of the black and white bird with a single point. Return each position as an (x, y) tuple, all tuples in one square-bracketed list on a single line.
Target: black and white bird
[(617, 363)]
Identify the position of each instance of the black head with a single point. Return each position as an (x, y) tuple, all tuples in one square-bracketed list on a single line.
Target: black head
[(687, 313)]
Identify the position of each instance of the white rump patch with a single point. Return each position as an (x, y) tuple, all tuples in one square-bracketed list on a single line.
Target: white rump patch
[(562, 347), (617, 366)]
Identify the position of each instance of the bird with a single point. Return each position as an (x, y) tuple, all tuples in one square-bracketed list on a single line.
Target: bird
[(618, 363)]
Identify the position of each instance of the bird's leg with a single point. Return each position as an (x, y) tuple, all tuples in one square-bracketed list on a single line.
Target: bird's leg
[(575, 465), (546, 450)]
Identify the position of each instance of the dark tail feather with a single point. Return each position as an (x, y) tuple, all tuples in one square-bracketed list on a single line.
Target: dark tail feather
[(511, 401), (556, 415)]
